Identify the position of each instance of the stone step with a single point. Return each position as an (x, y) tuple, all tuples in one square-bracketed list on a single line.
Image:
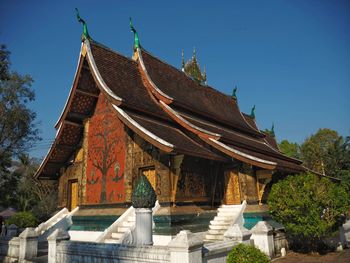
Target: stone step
[(231, 206), (220, 223), (232, 212), (123, 229), (131, 219), (219, 227), (224, 209), (217, 231), (129, 224), (227, 213), (112, 241), (224, 218), (214, 237), (117, 235)]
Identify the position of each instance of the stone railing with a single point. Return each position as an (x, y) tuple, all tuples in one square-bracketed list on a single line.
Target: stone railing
[(240, 219), (61, 250), (62, 220), (114, 227), (217, 252), (186, 247), (45, 225)]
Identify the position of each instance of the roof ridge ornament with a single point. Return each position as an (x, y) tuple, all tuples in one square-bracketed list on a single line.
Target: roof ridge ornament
[(272, 131), (182, 61), (192, 69), (85, 34), (252, 113), (136, 36), (234, 93)]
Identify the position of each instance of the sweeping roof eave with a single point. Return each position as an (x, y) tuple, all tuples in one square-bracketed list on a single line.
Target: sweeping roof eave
[(172, 86)]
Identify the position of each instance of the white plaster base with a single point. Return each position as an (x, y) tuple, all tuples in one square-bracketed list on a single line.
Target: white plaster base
[(88, 236), (161, 240)]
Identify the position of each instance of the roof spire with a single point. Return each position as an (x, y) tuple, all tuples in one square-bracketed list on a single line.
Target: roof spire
[(85, 30), (182, 61), (205, 75), (234, 93), (272, 132), (136, 36), (252, 113), (194, 53)]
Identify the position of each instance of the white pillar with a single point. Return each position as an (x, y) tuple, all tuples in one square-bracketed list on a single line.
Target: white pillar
[(28, 244), (53, 240), (186, 247), (262, 234), (143, 226)]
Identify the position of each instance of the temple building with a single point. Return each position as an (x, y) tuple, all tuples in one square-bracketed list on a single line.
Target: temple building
[(126, 117)]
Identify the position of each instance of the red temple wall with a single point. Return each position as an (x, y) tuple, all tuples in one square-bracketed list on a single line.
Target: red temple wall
[(105, 156)]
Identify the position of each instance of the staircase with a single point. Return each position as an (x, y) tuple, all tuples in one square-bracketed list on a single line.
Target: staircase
[(126, 225), (62, 219), (227, 215), (116, 232)]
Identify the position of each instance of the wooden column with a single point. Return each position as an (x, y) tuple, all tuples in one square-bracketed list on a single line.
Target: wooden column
[(174, 175), (232, 194), (263, 177)]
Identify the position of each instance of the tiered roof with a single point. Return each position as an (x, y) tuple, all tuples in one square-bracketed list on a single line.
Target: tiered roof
[(165, 107)]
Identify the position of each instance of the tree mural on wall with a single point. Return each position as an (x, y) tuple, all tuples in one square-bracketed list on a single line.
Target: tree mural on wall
[(106, 144)]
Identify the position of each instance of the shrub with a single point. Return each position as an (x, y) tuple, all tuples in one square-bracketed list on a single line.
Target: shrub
[(246, 254), (22, 220), (309, 207)]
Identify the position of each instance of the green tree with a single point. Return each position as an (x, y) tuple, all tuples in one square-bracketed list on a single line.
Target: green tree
[(22, 220), (326, 152), (26, 188), (290, 149), (18, 131), (309, 207)]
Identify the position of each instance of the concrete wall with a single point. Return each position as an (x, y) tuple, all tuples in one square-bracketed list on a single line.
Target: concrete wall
[(217, 252), (9, 249), (70, 251)]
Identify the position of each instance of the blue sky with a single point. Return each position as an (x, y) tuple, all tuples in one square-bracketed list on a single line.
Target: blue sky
[(289, 58)]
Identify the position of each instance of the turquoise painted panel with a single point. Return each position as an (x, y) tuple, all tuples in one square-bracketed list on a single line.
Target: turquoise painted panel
[(92, 223)]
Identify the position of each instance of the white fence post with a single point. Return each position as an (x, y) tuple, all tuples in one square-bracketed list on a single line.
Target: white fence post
[(262, 234), (53, 240), (186, 247), (28, 244)]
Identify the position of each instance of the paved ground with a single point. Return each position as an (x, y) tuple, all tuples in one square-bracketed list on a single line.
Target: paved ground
[(334, 257)]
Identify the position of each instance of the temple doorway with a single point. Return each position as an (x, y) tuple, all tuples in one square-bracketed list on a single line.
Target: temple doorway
[(73, 194), (232, 194)]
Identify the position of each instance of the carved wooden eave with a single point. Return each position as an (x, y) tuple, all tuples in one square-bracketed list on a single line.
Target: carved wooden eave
[(160, 95), (188, 125), (66, 142), (72, 89), (98, 78), (167, 99), (229, 150), (211, 138), (143, 132), (251, 122)]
